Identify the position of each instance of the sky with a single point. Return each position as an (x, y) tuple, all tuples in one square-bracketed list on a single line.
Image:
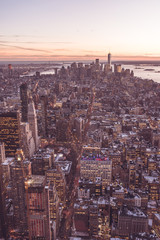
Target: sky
[(79, 29)]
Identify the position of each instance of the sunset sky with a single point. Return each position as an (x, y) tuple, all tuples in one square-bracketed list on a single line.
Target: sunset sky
[(79, 29)]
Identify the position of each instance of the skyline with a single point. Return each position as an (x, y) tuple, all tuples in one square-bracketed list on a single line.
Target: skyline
[(70, 30)]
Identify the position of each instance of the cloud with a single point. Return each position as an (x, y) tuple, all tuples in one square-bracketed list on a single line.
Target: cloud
[(23, 48), (17, 35), (31, 42)]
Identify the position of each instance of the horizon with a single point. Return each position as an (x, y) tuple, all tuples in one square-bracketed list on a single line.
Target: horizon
[(122, 61)]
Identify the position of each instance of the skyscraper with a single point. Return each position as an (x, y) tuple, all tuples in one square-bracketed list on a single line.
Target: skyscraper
[(109, 59), (44, 115), (19, 170), (56, 177), (27, 143), (3, 219), (38, 208), (10, 132), (32, 119), (24, 101)]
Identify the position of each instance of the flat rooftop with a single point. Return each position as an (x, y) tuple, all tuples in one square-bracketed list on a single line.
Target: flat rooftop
[(36, 181)]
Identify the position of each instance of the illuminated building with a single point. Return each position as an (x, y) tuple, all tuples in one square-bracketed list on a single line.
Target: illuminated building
[(152, 165), (152, 185), (32, 119), (10, 132), (117, 68), (24, 101), (54, 205), (94, 168), (154, 190), (83, 193), (156, 223), (3, 219), (56, 177), (88, 187), (19, 170), (93, 220), (38, 208), (131, 174)]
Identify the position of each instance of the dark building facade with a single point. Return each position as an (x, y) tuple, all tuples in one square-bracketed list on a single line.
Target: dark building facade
[(24, 102), (19, 170), (3, 219), (44, 115)]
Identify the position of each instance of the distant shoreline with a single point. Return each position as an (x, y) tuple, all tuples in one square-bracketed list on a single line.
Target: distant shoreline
[(60, 62), (155, 63)]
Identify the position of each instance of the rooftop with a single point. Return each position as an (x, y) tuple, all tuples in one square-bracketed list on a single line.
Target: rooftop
[(36, 181)]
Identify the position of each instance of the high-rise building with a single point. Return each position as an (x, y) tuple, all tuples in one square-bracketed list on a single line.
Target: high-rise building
[(54, 205), (41, 162), (57, 178), (27, 140), (97, 65), (10, 71), (38, 208), (10, 132), (2, 153), (93, 220), (19, 170), (109, 59), (3, 218), (62, 133), (24, 101), (44, 115), (32, 119), (79, 123)]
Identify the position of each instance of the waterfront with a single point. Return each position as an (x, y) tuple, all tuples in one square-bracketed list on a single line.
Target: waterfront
[(145, 71)]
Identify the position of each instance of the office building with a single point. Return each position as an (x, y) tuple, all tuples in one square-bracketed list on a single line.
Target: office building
[(109, 60), (10, 132), (93, 220), (44, 115), (19, 170), (32, 119), (38, 208), (54, 205), (57, 178), (94, 168), (3, 218), (131, 221), (41, 162), (24, 101), (27, 140)]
